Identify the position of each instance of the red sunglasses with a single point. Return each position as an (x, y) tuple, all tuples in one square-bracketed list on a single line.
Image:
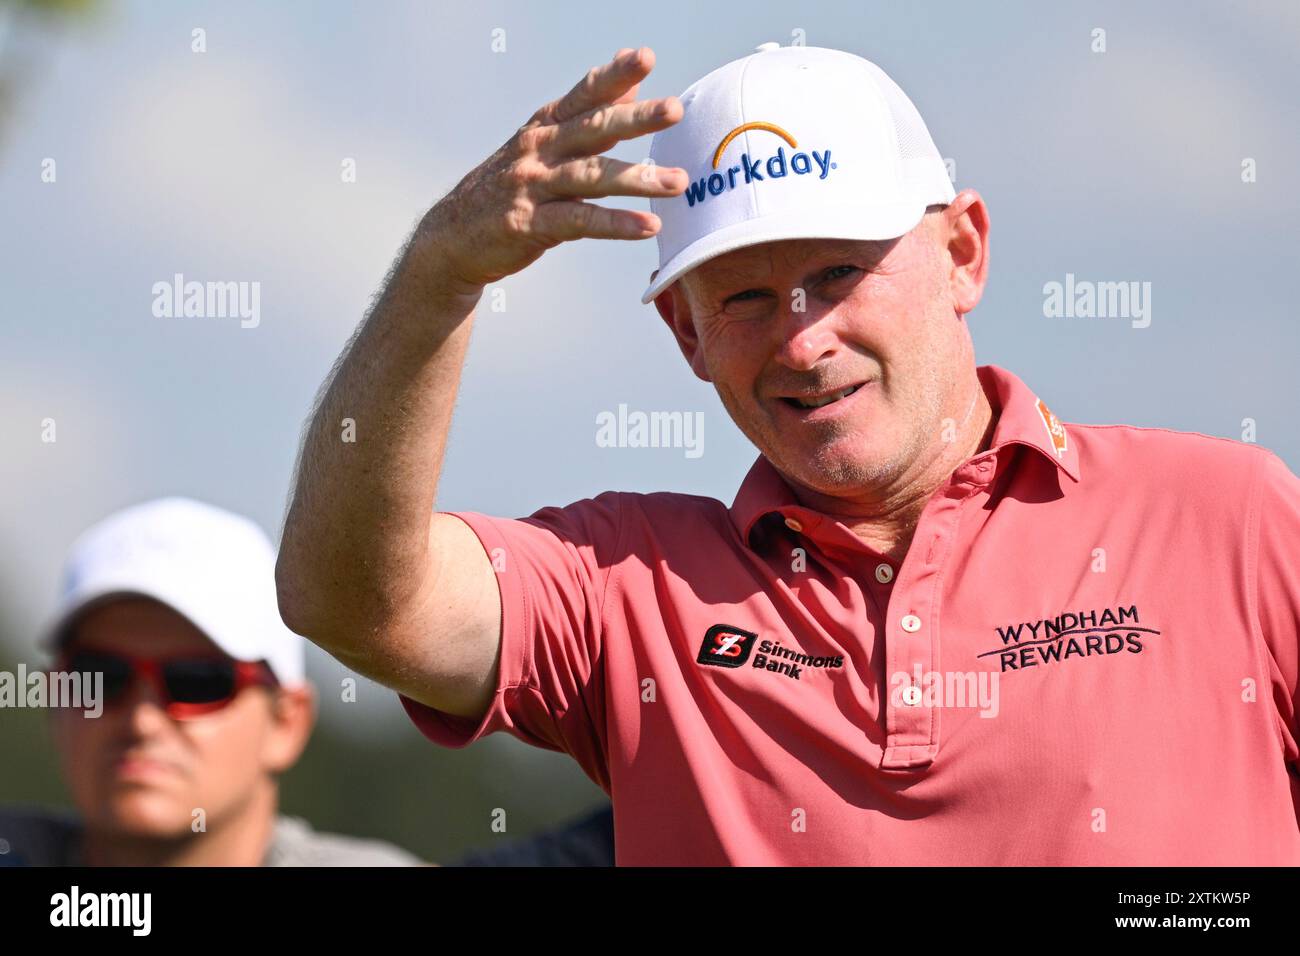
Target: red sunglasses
[(188, 686)]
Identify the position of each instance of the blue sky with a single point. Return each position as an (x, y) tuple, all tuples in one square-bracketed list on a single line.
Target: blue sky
[(1114, 166)]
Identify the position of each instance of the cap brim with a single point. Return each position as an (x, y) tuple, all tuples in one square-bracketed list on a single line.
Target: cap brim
[(864, 223), (288, 669), (55, 629)]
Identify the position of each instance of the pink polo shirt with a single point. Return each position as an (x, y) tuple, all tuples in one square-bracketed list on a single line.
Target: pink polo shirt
[(1088, 656)]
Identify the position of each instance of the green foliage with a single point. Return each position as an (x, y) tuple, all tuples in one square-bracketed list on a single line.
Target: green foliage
[(52, 8), (433, 801)]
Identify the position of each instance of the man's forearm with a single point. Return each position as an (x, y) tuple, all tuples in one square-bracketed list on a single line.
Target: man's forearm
[(356, 556), (356, 542)]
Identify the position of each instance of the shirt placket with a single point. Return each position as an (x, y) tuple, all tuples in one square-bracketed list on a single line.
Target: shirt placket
[(912, 623)]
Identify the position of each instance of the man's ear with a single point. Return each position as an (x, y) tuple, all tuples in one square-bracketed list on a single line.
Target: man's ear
[(965, 230), (675, 311), (293, 715)]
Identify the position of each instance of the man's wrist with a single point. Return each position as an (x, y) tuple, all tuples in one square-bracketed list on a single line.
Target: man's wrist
[(437, 267)]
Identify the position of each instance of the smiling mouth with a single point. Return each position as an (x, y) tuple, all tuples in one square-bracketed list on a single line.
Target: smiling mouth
[(810, 403)]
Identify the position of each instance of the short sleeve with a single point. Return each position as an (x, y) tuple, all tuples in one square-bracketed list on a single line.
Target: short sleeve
[(1276, 523), (552, 569)]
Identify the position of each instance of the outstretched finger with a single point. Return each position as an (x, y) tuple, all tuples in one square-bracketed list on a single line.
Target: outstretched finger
[(607, 83), (594, 176), (568, 219), (602, 128), (630, 95)]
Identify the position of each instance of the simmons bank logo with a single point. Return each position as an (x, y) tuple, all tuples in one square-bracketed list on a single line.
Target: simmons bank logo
[(727, 646), (758, 169)]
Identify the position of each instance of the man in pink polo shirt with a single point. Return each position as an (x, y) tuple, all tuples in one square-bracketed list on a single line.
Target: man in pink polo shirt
[(937, 626)]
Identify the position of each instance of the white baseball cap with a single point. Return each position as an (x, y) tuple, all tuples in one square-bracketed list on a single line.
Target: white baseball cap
[(211, 566), (794, 142)]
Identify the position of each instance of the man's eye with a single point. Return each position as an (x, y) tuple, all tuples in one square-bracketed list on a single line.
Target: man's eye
[(834, 272)]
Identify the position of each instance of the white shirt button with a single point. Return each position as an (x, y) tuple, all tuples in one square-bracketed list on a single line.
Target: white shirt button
[(793, 525), (911, 623), (911, 695), (884, 573)]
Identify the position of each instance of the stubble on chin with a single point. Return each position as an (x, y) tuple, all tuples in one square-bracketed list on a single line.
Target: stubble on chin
[(836, 465), (841, 467)]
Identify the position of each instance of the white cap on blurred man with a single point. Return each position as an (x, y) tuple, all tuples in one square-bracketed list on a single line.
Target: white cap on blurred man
[(215, 568)]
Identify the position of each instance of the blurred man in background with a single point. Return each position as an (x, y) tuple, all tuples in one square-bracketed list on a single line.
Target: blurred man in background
[(205, 704)]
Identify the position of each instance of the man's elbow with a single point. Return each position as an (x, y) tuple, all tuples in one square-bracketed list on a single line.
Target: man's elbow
[(293, 595), (346, 624)]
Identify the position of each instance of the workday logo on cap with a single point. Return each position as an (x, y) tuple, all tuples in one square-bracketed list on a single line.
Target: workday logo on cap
[(753, 170), (753, 181)]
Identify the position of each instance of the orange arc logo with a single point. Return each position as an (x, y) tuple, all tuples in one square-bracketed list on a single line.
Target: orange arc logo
[(769, 127)]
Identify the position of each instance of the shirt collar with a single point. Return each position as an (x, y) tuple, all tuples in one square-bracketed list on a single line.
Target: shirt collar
[(1022, 419)]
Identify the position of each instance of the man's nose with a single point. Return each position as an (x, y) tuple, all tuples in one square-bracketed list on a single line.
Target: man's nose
[(806, 338), (143, 705)]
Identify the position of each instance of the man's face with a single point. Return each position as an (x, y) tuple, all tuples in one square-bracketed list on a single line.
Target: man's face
[(137, 772), (879, 317)]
